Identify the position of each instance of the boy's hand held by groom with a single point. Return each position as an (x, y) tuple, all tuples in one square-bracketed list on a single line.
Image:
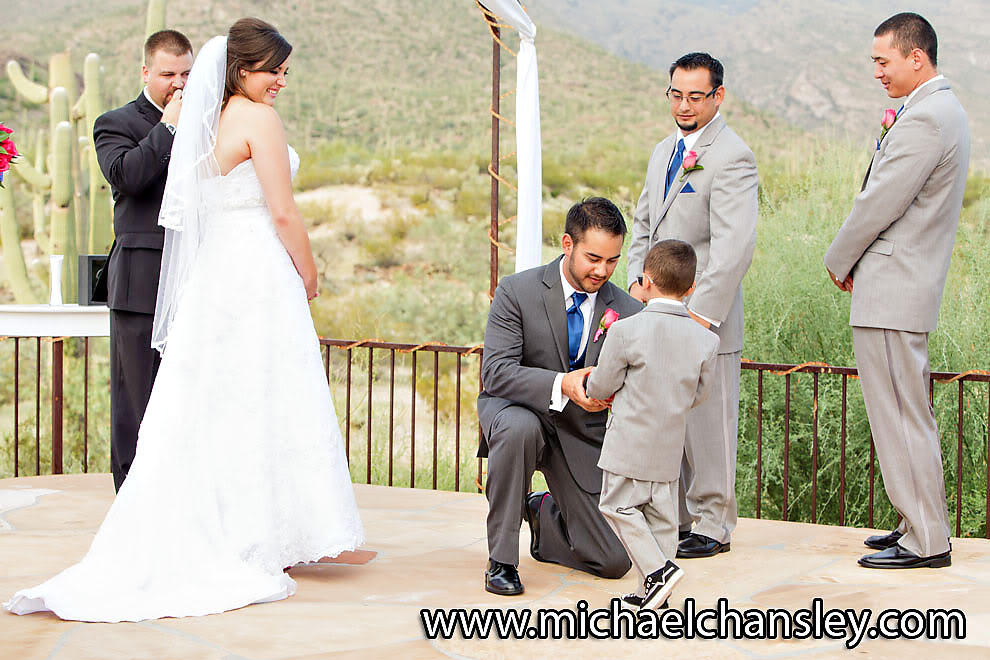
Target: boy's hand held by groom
[(572, 386)]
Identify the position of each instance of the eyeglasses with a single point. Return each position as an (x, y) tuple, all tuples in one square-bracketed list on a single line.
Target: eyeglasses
[(675, 96), (639, 279)]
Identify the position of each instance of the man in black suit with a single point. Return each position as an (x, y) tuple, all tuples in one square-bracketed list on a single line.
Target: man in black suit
[(133, 144), (540, 338)]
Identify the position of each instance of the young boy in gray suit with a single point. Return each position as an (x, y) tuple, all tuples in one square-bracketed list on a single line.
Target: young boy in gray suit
[(657, 365)]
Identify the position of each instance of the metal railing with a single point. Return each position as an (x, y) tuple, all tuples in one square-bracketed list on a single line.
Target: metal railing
[(391, 391)]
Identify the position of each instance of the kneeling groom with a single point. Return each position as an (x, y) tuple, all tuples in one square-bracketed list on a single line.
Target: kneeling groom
[(540, 340)]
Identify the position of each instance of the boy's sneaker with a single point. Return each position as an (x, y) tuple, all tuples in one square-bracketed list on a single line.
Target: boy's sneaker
[(659, 584), (635, 601)]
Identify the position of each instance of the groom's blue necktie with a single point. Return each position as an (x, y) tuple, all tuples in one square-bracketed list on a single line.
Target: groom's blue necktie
[(575, 327), (675, 165)]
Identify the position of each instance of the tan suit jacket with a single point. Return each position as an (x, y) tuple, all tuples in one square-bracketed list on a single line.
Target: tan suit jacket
[(659, 365), (897, 240), (718, 219)]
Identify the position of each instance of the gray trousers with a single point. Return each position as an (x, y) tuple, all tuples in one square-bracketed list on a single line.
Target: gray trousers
[(707, 496), (643, 514), (894, 374), (572, 531)]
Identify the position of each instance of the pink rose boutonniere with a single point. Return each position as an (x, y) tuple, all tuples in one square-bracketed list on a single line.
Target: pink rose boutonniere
[(7, 151), (608, 318), (690, 164), (886, 122)]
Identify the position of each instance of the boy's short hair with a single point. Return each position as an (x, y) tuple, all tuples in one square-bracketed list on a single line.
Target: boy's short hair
[(671, 265)]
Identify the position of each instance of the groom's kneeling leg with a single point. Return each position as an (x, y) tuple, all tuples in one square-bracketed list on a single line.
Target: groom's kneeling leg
[(573, 531), (514, 444)]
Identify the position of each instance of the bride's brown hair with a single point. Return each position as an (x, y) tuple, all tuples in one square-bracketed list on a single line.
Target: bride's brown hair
[(252, 45)]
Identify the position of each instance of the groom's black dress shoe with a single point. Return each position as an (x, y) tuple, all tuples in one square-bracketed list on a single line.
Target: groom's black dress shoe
[(502, 579), (883, 541), (697, 546), (533, 503), (683, 534), (897, 557)]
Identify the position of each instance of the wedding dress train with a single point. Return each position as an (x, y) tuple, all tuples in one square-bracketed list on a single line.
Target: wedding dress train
[(240, 469)]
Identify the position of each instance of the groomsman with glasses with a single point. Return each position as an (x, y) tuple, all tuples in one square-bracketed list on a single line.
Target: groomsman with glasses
[(701, 188), (892, 254)]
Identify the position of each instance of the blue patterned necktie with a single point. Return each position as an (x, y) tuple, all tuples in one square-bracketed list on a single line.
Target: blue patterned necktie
[(675, 165), (575, 327)]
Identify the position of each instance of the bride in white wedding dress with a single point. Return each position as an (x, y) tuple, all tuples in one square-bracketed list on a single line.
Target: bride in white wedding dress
[(240, 469)]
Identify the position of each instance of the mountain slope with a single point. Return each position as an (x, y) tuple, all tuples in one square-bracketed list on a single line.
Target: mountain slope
[(807, 62)]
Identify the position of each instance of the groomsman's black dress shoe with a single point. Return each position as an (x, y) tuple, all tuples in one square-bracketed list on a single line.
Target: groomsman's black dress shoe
[(897, 557), (533, 503), (883, 541), (502, 579), (683, 534), (697, 546)]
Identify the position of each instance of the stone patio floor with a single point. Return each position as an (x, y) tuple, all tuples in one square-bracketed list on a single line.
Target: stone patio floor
[(427, 549)]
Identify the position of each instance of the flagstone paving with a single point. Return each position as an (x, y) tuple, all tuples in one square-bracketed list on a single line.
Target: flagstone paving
[(427, 549)]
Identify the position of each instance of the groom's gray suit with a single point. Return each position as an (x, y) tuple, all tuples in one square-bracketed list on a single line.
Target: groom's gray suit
[(525, 349), (896, 244), (715, 210)]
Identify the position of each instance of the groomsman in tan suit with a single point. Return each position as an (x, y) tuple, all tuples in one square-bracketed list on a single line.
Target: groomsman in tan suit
[(701, 188), (895, 246)]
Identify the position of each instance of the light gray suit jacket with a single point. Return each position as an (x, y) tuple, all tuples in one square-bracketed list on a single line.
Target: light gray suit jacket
[(659, 365), (525, 349), (718, 219), (897, 241)]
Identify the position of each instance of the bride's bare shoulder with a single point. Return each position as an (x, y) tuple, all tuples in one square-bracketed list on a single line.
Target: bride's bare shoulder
[(241, 110)]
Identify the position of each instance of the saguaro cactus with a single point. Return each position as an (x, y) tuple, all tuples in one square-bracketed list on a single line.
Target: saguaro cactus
[(100, 226), (74, 189), (12, 255), (63, 240), (155, 20)]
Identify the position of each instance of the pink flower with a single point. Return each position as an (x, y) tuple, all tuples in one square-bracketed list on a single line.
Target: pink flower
[(4, 162), (8, 146), (889, 117), (4, 129), (690, 164), (608, 318)]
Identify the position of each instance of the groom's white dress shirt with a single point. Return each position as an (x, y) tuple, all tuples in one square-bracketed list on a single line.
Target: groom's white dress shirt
[(557, 399)]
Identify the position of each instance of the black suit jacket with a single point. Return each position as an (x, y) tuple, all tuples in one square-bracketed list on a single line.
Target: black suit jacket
[(133, 148), (525, 349)]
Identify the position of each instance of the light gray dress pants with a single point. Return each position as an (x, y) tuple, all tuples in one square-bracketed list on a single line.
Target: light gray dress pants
[(894, 374), (707, 498)]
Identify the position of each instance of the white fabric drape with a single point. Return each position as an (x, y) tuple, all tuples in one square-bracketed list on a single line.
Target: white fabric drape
[(529, 167)]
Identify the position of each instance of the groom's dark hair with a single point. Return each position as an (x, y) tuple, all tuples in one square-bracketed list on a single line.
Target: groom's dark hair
[(594, 213), (171, 41), (693, 61), (910, 31)]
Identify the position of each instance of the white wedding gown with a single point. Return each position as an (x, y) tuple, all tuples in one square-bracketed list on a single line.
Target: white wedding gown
[(240, 469)]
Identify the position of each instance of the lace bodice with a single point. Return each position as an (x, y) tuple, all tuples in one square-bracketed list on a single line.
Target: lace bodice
[(240, 188)]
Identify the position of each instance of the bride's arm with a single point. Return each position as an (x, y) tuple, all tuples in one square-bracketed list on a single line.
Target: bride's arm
[(270, 154)]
